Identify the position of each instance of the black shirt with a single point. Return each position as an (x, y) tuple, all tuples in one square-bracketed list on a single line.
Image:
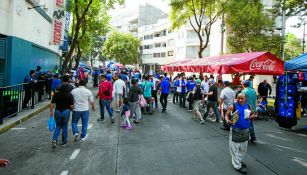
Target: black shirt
[(62, 102), (134, 92), (213, 97)]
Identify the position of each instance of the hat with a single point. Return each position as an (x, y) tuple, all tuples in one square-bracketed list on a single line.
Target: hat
[(227, 83), (198, 81)]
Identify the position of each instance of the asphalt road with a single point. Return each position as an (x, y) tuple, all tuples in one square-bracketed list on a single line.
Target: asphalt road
[(164, 144)]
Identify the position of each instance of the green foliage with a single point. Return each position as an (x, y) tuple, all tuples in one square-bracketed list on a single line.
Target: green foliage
[(251, 28), (200, 14), (293, 47), (293, 7), (122, 47)]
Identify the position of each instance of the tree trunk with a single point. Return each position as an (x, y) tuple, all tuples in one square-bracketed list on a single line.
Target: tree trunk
[(79, 53)]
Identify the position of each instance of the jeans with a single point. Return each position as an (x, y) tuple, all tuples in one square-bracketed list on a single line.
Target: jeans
[(163, 100), (237, 151), (61, 120), (252, 131), (107, 104), (154, 95), (216, 111), (182, 99), (76, 115)]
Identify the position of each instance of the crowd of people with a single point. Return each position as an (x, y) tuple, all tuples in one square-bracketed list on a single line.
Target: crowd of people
[(133, 94)]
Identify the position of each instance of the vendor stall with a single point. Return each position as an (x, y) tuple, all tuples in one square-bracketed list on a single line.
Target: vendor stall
[(291, 95), (262, 63)]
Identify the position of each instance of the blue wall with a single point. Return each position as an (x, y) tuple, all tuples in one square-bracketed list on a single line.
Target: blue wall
[(24, 56)]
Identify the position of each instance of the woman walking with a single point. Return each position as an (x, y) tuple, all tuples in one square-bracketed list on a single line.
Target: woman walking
[(63, 102)]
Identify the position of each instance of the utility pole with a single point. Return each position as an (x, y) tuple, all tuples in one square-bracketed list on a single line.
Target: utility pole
[(304, 23), (283, 28)]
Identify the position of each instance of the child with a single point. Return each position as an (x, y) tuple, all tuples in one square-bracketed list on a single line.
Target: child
[(261, 107), (125, 115)]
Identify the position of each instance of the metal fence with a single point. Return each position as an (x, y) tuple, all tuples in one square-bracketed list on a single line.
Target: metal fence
[(16, 98)]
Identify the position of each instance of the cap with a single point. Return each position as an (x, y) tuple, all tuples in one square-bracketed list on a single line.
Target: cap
[(198, 81)]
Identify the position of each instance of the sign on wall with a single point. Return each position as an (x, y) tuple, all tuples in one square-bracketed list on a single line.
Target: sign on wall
[(64, 47), (58, 22)]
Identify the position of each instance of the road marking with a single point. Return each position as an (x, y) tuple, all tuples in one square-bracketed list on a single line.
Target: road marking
[(74, 154), (65, 172), (18, 128), (89, 126)]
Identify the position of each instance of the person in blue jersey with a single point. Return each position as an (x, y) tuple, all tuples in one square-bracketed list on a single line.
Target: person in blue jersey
[(182, 91), (29, 88), (239, 132), (190, 86), (175, 86), (164, 89)]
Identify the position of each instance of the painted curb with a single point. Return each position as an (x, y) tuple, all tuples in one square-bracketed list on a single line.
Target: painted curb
[(24, 118)]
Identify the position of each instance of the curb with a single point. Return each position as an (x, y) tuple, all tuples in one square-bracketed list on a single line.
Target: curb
[(24, 118)]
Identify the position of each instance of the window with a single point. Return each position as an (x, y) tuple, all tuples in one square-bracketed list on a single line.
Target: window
[(163, 33), (147, 56), (148, 46), (156, 55), (163, 54), (191, 34), (163, 45), (192, 51), (171, 43), (157, 35), (169, 31), (157, 45), (146, 37), (170, 53)]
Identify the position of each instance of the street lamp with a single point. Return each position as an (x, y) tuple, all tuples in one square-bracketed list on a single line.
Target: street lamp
[(39, 6)]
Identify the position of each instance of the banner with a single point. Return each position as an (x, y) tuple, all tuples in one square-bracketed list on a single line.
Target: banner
[(58, 22), (64, 47)]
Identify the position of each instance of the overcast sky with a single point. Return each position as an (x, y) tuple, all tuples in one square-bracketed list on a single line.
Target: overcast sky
[(163, 5)]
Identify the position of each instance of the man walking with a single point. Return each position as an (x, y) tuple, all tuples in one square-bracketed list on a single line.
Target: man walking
[(105, 97), (227, 98), (212, 102), (238, 136), (134, 101), (81, 109), (120, 88), (164, 89), (251, 99), (182, 91)]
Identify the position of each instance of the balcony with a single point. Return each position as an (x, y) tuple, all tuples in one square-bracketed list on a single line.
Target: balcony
[(133, 28)]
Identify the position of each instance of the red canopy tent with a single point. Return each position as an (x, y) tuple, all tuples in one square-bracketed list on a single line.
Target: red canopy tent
[(263, 63)]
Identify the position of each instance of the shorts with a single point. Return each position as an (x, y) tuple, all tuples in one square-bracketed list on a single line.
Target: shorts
[(196, 105), (119, 97)]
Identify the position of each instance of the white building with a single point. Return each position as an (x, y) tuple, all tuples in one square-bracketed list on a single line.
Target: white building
[(160, 45), (25, 35)]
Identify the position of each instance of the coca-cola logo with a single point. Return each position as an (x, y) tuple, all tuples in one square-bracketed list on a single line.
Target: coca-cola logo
[(268, 65)]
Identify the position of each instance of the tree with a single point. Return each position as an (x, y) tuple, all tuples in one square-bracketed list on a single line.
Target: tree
[(123, 47), (250, 28), (80, 10), (293, 46), (200, 14), (293, 7)]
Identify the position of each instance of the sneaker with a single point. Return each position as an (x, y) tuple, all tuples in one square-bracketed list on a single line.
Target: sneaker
[(190, 110), (218, 121), (202, 121), (65, 144), (242, 170), (100, 120), (82, 139), (76, 137), (118, 110), (253, 140), (135, 122), (129, 128), (123, 125), (112, 120), (54, 144)]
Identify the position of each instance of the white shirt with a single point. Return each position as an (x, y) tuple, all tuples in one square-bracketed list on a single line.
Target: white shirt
[(154, 83), (119, 85), (81, 98), (205, 86), (228, 95)]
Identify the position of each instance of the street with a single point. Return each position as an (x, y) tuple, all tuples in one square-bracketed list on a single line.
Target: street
[(165, 144)]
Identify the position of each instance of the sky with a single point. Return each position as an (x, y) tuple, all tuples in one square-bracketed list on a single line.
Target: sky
[(163, 5)]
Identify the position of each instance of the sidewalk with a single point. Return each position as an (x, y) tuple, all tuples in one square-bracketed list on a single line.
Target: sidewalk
[(11, 122)]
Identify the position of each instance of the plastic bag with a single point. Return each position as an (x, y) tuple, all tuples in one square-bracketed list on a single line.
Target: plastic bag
[(143, 102), (51, 124)]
